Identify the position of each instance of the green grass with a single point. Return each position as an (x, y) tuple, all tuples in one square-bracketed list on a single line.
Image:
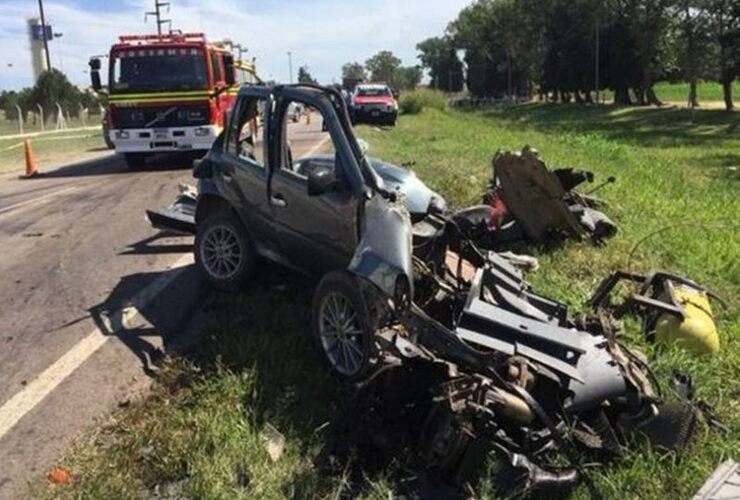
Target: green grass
[(707, 91), (51, 150), (414, 101), (200, 432)]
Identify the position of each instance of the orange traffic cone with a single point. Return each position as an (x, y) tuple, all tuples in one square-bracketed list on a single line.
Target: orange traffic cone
[(31, 170)]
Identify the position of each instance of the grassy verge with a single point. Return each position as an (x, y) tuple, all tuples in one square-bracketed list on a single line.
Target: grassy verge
[(200, 434), (707, 91), (11, 127), (52, 150)]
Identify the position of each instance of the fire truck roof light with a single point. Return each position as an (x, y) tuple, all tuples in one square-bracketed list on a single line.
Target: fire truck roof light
[(168, 38)]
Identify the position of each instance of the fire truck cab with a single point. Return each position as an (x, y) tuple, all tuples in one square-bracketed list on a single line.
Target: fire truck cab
[(168, 93)]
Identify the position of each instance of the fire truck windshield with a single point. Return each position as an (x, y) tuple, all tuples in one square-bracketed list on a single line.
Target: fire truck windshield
[(158, 70)]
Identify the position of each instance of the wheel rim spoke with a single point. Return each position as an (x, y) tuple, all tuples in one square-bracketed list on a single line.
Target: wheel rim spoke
[(340, 333), (221, 252)]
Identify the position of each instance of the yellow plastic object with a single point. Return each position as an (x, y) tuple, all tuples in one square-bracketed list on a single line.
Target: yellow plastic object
[(697, 331)]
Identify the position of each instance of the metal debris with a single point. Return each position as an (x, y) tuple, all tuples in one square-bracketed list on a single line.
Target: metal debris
[(723, 484)]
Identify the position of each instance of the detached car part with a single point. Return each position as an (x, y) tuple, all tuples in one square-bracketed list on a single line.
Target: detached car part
[(179, 217), (527, 201), (673, 309)]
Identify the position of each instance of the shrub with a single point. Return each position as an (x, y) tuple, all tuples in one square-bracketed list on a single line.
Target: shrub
[(413, 102)]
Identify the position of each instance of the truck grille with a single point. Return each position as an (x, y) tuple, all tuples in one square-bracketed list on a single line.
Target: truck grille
[(141, 116)]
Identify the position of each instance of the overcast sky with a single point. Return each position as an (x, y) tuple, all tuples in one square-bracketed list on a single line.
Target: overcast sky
[(323, 34)]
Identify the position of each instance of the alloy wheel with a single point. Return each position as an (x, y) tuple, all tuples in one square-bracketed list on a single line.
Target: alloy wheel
[(221, 252), (341, 334)]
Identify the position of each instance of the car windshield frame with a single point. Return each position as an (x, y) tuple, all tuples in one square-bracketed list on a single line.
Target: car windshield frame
[(160, 70), (373, 92)]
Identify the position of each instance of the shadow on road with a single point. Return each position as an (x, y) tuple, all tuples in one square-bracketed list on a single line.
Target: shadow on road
[(116, 165), (147, 246), (170, 316)]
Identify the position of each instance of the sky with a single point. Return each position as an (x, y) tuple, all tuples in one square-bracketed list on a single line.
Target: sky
[(321, 34)]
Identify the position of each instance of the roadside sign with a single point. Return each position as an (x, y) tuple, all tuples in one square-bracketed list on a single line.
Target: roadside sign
[(37, 32)]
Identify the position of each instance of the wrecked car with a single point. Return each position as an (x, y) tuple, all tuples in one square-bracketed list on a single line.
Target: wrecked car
[(403, 284)]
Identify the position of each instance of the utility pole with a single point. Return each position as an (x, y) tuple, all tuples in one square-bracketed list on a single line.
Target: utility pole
[(290, 66), (43, 34), (596, 64), (508, 73), (157, 12)]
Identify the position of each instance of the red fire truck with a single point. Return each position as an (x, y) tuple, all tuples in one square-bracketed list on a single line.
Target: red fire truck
[(168, 93)]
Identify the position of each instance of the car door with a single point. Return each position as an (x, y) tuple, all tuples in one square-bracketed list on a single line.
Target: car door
[(316, 233), (244, 173)]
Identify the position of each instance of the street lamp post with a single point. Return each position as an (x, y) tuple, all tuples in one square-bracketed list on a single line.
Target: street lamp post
[(290, 65), (43, 34)]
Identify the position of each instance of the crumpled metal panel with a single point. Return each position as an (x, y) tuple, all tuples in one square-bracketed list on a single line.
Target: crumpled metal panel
[(385, 251)]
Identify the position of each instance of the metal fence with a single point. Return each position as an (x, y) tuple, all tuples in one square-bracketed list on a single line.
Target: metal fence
[(59, 118)]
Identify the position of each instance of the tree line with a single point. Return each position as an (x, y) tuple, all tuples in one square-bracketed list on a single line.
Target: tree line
[(386, 67), (571, 50), (51, 88)]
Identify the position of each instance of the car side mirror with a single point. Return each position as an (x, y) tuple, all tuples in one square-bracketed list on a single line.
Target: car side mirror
[(95, 81), (321, 181), (95, 74)]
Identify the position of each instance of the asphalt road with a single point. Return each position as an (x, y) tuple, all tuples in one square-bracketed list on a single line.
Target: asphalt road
[(90, 296)]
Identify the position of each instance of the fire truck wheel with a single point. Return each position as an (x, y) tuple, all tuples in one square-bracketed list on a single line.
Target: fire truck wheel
[(135, 160)]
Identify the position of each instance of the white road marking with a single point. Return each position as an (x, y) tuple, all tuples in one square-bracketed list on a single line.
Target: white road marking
[(40, 387), (40, 199), (318, 146), (14, 146)]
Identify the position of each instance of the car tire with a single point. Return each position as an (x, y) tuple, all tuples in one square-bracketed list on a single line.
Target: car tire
[(344, 326), (224, 253), (135, 160)]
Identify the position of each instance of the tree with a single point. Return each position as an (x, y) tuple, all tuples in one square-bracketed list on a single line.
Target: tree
[(304, 76), (439, 56), (53, 88), (502, 43), (383, 67), (408, 78), (353, 71), (725, 31), (9, 100), (569, 48), (694, 43)]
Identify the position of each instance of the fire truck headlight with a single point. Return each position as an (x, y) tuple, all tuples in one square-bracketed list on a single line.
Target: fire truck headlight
[(202, 132), (122, 134)]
